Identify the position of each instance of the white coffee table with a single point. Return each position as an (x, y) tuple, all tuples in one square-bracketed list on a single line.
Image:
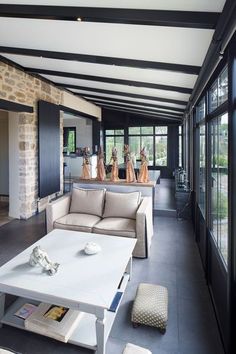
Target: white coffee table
[(87, 283)]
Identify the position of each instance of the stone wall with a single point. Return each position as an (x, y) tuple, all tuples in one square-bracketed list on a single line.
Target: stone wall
[(17, 86), (20, 87)]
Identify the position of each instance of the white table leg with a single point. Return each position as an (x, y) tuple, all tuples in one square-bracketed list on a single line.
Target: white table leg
[(129, 268), (2, 306), (100, 331)]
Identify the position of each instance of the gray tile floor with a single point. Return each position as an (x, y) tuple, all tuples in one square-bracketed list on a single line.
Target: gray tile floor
[(174, 263), (4, 209)]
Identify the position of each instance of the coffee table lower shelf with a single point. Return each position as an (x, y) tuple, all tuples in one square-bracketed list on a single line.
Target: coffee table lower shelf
[(85, 333)]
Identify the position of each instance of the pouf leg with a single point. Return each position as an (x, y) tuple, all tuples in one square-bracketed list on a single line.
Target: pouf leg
[(135, 324), (162, 330), (151, 306)]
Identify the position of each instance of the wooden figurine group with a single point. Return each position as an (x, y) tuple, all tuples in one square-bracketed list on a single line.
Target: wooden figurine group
[(130, 172)]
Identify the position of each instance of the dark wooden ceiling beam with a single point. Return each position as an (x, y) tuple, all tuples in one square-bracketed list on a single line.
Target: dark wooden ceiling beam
[(110, 80), (144, 114), (15, 107), (95, 98), (97, 59), (189, 19), (120, 93), (175, 114)]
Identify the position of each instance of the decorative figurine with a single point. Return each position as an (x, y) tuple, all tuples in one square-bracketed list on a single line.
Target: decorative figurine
[(101, 174), (143, 171), (130, 173), (40, 257), (86, 164), (114, 169)]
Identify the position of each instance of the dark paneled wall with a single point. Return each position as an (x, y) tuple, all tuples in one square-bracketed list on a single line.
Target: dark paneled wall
[(96, 135), (122, 120), (49, 148)]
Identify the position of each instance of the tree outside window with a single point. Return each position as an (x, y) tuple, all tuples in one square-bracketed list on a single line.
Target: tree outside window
[(69, 139)]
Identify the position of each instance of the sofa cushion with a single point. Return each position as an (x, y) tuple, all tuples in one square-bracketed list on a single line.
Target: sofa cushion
[(116, 226), (121, 205), (77, 222), (87, 201)]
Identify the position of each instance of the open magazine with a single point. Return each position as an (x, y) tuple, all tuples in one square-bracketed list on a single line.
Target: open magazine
[(54, 321)]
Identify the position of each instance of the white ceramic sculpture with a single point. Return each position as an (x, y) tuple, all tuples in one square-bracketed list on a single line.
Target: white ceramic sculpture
[(40, 257), (92, 248)]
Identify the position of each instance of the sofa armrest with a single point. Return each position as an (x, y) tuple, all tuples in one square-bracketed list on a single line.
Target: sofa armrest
[(144, 228), (56, 210)]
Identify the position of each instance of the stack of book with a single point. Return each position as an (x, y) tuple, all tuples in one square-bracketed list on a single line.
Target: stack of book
[(54, 321)]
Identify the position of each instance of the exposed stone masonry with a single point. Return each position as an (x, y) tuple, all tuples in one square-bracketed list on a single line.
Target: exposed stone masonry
[(19, 87)]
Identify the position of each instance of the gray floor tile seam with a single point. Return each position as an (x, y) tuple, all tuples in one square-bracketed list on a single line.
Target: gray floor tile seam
[(154, 262)]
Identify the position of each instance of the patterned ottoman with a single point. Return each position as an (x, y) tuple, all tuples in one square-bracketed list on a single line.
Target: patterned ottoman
[(151, 306), (134, 349)]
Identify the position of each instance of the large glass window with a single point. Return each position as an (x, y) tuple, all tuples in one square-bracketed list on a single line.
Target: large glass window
[(114, 138), (201, 110), (219, 183), (223, 86), (180, 146), (213, 96), (202, 169), (218, 92), (161, 145), (135, 146), (140, 137)]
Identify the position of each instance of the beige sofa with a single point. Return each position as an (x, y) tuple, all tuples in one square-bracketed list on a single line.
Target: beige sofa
[(103, 212)]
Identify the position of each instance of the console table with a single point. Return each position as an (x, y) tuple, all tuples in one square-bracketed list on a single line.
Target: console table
[(182, 199), (154, 175)]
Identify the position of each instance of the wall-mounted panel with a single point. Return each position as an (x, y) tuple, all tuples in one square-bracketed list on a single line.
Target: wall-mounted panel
[(49, 148)]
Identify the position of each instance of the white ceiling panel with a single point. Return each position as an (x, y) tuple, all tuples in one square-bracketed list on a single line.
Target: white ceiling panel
[(169, 110), (117, 97), (161, 44), (190, 5), (120, 88), (118, 72), (141, 111)]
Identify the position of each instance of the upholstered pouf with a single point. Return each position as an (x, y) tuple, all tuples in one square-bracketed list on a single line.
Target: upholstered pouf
[(151, 306), (134, 349)]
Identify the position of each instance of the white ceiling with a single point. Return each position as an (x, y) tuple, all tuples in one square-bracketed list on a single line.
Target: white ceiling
[(188, 46), (146, 101), (117, 72), (161, 44), (184, 5), (121, 88)]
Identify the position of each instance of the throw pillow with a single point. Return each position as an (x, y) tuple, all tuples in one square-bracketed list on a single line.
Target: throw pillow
[(121, 205), (87, 201)]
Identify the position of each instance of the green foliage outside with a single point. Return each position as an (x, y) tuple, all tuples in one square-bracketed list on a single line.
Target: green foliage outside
[(220, 208), (220, 160), (71, 141), (161, 152)]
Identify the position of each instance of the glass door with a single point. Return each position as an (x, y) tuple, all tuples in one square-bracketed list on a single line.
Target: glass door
[(219, 184)]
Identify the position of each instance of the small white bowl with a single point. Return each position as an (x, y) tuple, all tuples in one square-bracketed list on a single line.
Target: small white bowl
[(92, 248)]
